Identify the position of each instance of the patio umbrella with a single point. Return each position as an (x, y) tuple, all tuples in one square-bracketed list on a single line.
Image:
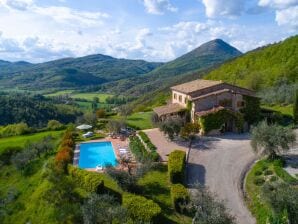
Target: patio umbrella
[(84, 127)]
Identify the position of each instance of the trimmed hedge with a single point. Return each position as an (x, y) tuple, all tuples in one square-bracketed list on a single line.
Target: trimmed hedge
[(141, 209), (147, 140), (179, 195), (89, 181), (176, 166), (137, 148)]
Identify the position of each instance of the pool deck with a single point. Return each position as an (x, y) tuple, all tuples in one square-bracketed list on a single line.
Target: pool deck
[(116, 143)]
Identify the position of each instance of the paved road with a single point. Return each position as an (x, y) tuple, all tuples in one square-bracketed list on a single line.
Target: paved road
[(219, 162)]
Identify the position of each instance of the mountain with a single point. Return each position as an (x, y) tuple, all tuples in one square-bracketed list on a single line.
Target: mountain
[(262, 68), (73, 72), (7, 67), (205, 56)]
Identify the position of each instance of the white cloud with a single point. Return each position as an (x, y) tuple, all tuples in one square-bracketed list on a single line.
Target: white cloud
[(17, 4), (278, 4), (158, 7), (288, 17), (217, 8)]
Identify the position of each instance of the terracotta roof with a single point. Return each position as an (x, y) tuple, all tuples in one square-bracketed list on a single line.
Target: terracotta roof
[(195, 85), (168, 109), (213, 110), (212, 93)]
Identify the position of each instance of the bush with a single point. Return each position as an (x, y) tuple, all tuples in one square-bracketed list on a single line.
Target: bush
[(176, 166), (147, 140), (141, 209), (54, 125), (138, 149), (268, 172), (179, 196), (15, 129), (273, 178), (259, 181), (89, 181), (7, 153), (258, 173)]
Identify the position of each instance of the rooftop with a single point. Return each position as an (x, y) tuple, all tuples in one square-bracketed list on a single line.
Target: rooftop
[(195, 85), (168, 109)]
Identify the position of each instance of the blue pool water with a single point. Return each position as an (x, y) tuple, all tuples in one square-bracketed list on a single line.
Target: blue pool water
[(93, 154)]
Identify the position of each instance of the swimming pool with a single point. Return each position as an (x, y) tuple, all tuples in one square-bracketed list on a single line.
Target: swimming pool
[(94, 154)]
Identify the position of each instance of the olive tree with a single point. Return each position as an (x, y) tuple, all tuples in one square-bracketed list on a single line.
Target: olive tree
[(172, 126), (271, 140), (189, 131), (207, 208)]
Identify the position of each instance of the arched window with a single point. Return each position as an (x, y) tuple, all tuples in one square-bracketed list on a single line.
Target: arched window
[(180, 98)]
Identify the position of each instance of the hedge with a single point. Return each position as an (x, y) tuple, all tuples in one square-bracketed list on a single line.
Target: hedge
[(89, 181), (176, 166), (137, 148), (141, 209), (179, 195), (147, 141)]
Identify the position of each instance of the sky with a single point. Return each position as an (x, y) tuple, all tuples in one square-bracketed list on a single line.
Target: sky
[(153, 30)]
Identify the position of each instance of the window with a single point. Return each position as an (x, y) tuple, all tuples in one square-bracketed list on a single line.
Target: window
[(225, 103), (240, 104), (180, 98), (185, 100), (175, 96)]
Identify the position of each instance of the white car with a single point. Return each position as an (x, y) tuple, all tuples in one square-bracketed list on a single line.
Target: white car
[(88, 134)]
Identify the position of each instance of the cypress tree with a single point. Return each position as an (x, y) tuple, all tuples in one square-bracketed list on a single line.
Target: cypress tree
[(295, 108)]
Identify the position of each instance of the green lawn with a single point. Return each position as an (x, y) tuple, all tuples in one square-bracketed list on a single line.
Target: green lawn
[(87, 96), (286, 110), (256, 203), (21, 140), (140, 120), (156, 186)]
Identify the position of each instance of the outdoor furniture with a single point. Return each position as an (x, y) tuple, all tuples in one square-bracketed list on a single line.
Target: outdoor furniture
[(88, 134), (84, 127)]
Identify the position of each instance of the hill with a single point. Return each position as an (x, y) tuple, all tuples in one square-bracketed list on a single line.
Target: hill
[(262, 68), (205, 56), (73, 72)]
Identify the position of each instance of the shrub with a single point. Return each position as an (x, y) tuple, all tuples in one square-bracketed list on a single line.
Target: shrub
[(140, 209), (268, 172), (273, 178), (176, 166), (138, 149), (259, 181), (54, 125), (258, 173), (179, 196), (7, 153), (147, 140), (15, 129), (89, 181)]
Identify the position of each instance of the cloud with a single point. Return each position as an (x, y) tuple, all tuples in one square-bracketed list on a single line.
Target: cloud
[(217, 8), (277, 4), (288, 17), (17, 4), (159, 7)]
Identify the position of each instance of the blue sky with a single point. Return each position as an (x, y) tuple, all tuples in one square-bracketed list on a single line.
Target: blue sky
[(154, 30)]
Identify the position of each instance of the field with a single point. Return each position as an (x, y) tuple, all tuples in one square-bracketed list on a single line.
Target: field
[(21, 140), (86, 96), (140, 120), (155, 185), (286, 110)]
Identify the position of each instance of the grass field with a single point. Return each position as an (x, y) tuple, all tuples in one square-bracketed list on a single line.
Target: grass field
[(140, 120), (21, 140), (87, 96), (286, 110), (156, 186)]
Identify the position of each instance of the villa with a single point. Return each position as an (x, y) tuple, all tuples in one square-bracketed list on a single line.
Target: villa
[(203, 97)]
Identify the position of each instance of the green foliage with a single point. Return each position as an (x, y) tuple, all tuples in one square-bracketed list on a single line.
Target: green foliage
[(7, 153), (54, 125), (34, 110), (139, 150), (147, 140), (176, 166), (295, 108), (172, 126), (217, 119), (281, 173), (251, 110), (263, 67), (89, 181), (271, 139), (15, 129), (179, 196), (189, 131), (259, 181), (141, 209)]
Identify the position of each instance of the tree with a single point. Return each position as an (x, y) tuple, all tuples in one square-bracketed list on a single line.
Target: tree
[(101, 113), (114, 126), (54, 125), (207, 208), (271, 140), (172, 126), (295, 108), (189, 132), (103, 209), (125, 110), (22, 159)]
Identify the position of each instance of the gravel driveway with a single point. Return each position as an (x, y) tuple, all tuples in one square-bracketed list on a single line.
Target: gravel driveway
[(219, 163)]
